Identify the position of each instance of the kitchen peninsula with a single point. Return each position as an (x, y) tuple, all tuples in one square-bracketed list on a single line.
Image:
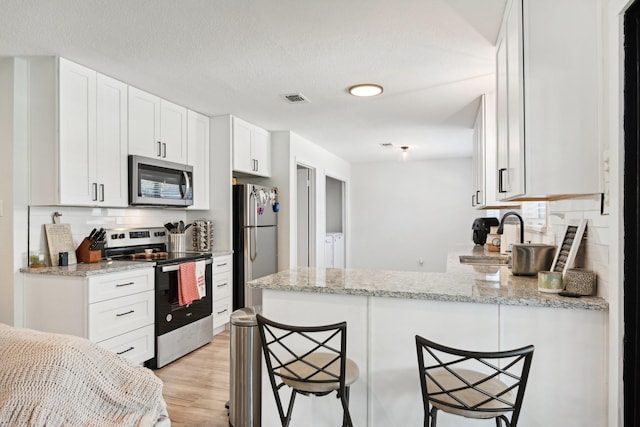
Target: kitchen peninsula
[(480, 307)]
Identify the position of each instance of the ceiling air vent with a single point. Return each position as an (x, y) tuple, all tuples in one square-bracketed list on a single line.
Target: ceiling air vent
[(296, 98)]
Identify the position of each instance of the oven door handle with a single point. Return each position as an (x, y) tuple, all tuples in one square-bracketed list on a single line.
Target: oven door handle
[(176, 267)]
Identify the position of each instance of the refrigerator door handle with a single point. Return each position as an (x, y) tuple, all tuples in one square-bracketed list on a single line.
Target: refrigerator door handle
[(253, 236)]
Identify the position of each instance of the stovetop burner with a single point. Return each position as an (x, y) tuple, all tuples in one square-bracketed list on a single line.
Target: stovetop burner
[(147, 245)]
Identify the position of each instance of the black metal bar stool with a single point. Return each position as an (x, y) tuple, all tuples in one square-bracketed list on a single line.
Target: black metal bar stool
[(472, 384), (309, 360)]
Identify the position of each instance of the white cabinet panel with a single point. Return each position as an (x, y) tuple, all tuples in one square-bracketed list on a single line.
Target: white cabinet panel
[(89, 137), (77, 123), (115, 310), (111, 142), (548, 137), (251, 149), (108, 286), (569, 358), (144, 124), (157, 128), (173, 131), (334, 249), (242, 158), (198, 157), (222, 290), (117, 316), (137, 345)]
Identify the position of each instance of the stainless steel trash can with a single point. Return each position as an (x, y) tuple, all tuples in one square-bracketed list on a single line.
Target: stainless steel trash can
[(246, 363)]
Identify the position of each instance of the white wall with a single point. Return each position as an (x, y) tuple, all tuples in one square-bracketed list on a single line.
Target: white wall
[(288, 150), (404, 212)]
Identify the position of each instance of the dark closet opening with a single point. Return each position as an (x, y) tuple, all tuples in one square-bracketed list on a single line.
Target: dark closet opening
[(631, 214)]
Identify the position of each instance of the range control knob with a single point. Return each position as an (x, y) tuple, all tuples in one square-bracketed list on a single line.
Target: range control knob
[(114, 236), (121, 236)]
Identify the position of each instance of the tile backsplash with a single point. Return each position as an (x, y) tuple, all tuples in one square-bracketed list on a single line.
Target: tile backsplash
[(83, 220), (594, 250)]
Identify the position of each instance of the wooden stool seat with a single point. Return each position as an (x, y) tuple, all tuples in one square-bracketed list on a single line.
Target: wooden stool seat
[(321, 372)]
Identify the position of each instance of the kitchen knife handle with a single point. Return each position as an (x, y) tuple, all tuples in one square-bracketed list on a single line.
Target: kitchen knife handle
[(159, 149), (102, 192), (94, 192)]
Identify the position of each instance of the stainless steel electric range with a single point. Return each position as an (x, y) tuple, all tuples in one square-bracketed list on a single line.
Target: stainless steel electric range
[(178, 329)]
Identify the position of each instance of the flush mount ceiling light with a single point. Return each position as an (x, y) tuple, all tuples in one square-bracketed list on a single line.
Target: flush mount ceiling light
[(368, 89), (405, 151)]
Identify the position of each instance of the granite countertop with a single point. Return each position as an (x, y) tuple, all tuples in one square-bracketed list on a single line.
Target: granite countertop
[(102, 267), (90, 269), (479, 283)]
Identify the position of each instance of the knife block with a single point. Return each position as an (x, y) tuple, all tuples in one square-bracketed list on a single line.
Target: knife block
[(85, 255)]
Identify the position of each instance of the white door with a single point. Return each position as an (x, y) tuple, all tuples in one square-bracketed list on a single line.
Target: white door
[(173, 132), (242, 160), (77, 134), (260, 151), (198, 157), (111, 142), (302, 206), (144, 124)]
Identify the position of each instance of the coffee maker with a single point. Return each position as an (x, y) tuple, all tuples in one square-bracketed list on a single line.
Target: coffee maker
[(481, 228)]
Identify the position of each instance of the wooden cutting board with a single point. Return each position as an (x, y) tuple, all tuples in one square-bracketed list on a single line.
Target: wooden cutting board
[(59, 239)]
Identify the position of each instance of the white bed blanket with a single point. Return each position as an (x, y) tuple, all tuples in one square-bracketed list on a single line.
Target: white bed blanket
[(60, 380)]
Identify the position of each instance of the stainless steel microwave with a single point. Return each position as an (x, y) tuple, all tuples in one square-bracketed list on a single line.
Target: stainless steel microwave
[(155, 182)]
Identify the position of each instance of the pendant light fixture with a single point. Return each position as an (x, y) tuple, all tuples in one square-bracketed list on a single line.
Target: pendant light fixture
[(367, 89)]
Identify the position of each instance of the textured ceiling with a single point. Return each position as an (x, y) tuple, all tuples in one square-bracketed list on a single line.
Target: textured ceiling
[(433, 57)]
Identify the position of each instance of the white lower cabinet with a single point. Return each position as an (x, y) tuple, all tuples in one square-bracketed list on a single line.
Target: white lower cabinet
[(115, 310), (222, 291), (334, 250)]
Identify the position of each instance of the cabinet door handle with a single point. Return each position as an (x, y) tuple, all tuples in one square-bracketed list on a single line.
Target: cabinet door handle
[(220, 312), (159, 149), (473, 198), (501, 188), (102, 192), (221, 265), (224, 284), (119, 285), (164, 150), (125, 351), (94, 191), (478, 201), (257, 165), (125, 313)]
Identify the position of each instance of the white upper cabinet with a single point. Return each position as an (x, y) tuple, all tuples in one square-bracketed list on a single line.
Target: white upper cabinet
[(77, 137), (485, 158), (251, 149), (157, 128), (198, 157), (111, 142), (478, 198), (547, 100), (89, 166)]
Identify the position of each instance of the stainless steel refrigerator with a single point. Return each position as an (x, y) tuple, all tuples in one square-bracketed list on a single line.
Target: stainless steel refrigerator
[(255, 247)]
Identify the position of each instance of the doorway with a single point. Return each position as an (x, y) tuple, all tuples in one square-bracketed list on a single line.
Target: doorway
[(631, 373), (335, 247), (305, 216)]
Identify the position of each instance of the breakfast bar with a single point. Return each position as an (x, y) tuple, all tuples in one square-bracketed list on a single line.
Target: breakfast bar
[(479, 306)]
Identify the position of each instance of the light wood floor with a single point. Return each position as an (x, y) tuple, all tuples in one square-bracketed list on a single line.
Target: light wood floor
[(196, 386)]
